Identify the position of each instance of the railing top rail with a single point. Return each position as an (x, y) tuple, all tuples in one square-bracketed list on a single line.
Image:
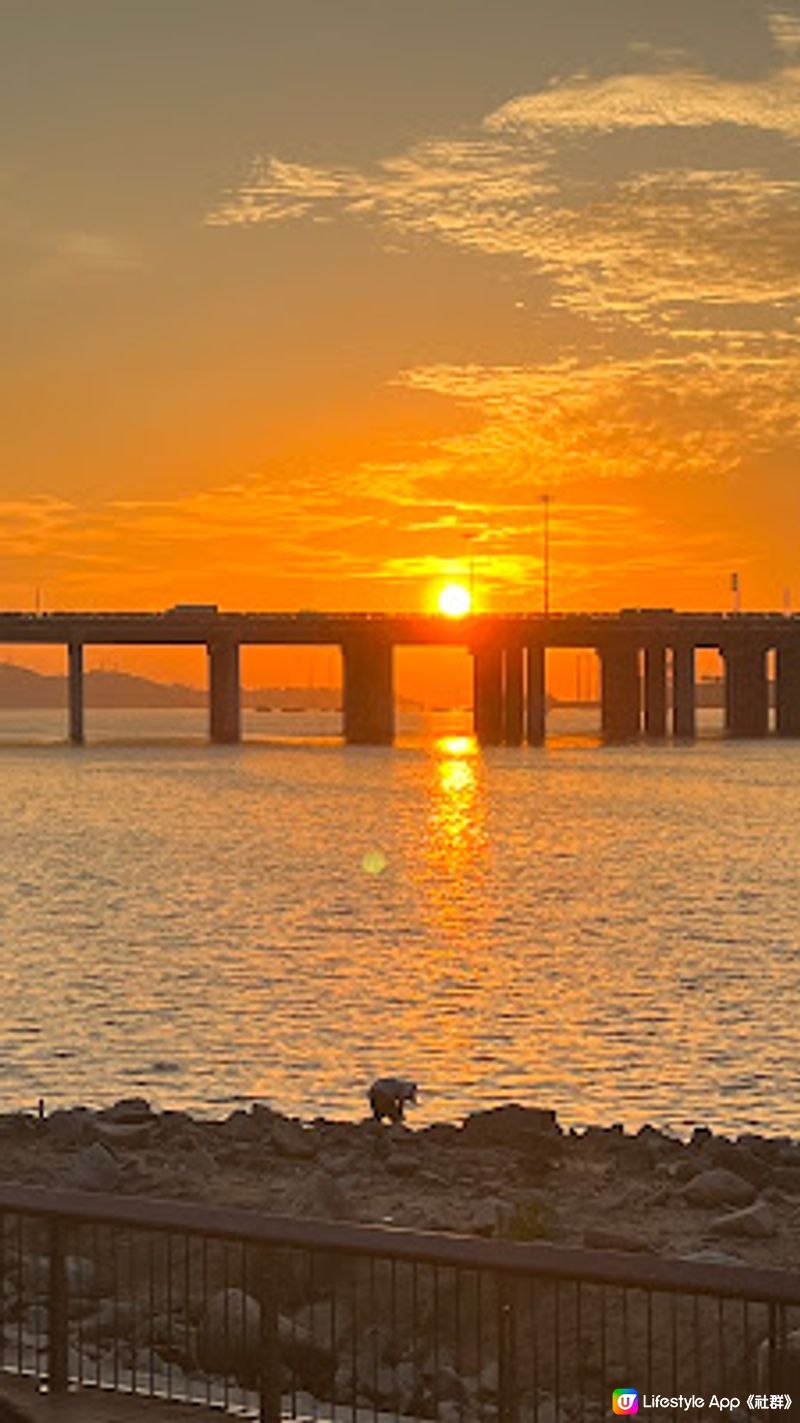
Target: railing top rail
[(414, 1247)]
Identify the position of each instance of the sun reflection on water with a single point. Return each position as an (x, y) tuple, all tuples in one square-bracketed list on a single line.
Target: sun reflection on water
[(456, 840)]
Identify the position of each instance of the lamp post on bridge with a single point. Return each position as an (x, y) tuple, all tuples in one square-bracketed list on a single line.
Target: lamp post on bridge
[(546, 555)]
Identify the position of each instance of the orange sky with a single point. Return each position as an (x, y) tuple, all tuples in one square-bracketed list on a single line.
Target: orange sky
[(306, 306)]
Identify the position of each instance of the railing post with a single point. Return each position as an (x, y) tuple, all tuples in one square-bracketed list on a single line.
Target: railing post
[(506, 1352), (58, 1311), (269, 1383)]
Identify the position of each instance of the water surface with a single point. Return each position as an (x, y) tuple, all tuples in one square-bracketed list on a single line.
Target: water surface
[(609, 931)]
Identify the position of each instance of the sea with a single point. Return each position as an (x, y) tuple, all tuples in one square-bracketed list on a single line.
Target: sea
[(609, 931)]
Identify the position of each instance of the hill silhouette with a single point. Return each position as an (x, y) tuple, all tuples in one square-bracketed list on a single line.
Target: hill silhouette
[(21, 688)]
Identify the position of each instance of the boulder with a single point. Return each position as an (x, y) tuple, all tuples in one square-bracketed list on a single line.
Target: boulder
[(779, 1368), (512, 1125), (757, 1222), (323, 1197), (713, 1257), (787, 1178), (603, 1238), (737, 1157), (719, 1188), (94, 1169), (228, 1335), (486, 1217), (401, 1163), (69, 1128), (129, 1111), (290, 1139), (123, 1133)]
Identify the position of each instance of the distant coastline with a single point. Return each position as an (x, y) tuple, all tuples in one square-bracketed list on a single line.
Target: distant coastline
[(23, 689)]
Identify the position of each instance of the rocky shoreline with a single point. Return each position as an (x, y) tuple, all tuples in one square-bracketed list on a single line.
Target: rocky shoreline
[(511, 1171), (176, 1314)]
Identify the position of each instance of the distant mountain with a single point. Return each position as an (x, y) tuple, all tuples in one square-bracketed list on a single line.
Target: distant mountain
[(21, 688)]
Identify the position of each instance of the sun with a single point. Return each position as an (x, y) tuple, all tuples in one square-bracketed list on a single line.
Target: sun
[(454, 600)]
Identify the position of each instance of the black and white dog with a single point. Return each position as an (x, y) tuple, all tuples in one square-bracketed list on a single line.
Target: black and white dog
[(387, 1098)]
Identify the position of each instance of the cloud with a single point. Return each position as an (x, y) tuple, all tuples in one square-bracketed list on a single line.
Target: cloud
[(655, 417), (636, 247), (32, 526), (785, 31), (77, 253), (679, 99), (446, 186)]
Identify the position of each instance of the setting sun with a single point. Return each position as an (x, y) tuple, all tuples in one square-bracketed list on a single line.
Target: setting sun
[(455, 601)]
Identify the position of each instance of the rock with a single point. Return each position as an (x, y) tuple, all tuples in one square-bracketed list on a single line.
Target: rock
[(35, 1320), (658, 1141), (449, 1384), (325, 1198), (489, 1381), (123, 1133), (600, 1238), (713, 1257), (756, 1222), (683, 1169), (129, 1111), (94, 1169), (449, 1412), (788, 1154), (228, 1335), (111, 1319), (719, 1188), (512, 1125), (291, 1140), (81, 1275), (486, 1217), (441, 1134), (787, 1178), (240, 1126), (69, 1128), (781, 1370), (401, 1163), (739, 1159)]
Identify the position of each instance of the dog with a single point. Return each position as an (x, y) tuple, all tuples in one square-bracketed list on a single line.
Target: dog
[(387, 1098)]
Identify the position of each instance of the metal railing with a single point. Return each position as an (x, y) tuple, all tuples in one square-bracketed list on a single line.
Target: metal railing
[(270, 1317)]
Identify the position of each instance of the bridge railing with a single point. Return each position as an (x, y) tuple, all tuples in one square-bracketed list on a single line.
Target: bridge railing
[(270, 1317)]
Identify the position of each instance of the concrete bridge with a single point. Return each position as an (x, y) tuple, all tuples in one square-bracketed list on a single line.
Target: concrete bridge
[(647, 660)]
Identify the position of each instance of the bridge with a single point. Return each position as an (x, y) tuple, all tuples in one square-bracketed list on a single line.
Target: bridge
[(647, 660)]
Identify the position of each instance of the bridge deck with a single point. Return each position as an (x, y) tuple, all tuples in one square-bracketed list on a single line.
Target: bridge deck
[(399, 629)]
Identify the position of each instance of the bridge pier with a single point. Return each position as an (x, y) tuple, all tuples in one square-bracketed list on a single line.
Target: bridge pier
[(621, 692), (655, 690), (684, 701), (536, 708), (368, 692), (787, 691), (488, 695), (746, 691), (75, 692), (224, 692), (514, 707)]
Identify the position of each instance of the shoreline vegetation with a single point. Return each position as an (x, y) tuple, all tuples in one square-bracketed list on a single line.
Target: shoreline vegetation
[(510, 1172)]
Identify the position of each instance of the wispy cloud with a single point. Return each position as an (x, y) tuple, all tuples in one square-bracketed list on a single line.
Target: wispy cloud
[(680, 99), (632, 247), (785, 30), (76, 253)]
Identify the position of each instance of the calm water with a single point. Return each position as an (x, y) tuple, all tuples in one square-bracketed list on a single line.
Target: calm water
[(614, 932)]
